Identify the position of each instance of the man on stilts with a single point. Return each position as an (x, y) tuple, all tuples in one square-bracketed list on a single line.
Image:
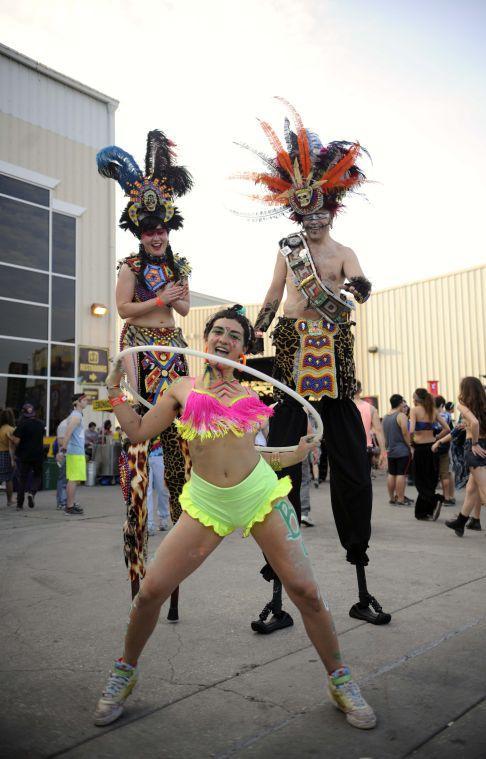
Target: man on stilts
[(313, 339), (152, 284)]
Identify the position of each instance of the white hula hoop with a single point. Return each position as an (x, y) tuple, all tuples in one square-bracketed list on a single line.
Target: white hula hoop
[(227, 362)]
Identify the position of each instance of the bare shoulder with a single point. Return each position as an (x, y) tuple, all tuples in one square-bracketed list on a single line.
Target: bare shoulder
[(126, 274), (180, 389)]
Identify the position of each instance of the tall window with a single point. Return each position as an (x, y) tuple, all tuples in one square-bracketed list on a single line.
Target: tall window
[(37, 302)]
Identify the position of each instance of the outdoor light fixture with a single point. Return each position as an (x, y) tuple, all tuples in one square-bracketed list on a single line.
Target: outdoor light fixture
[(373, 349), (98, 309)]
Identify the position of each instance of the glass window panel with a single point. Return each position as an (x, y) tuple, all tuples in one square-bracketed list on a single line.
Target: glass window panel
[(25, 285), (22, 357), (24, 234), (63, 244), (24, 190), (63, 309), (62, 360), (61, 403), (15, 391), (21, 320)]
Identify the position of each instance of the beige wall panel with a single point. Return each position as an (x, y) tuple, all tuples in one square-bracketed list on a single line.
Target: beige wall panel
[(434, 329), (41, 150)]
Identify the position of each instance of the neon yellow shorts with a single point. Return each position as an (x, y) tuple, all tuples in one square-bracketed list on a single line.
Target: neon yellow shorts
[(239, 506), (76, 467)]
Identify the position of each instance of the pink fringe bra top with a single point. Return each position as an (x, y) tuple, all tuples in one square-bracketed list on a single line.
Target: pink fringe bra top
[(205, 417)]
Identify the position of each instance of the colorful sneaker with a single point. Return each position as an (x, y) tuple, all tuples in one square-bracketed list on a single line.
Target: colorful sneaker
[(121, 682), (346, 696)]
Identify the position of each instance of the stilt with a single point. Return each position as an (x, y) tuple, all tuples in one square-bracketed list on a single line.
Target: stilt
[(279, 619), (135, 586), (173, 614), (367, 609)]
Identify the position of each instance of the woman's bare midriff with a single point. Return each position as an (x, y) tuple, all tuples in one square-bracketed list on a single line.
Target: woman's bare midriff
[(225, 461), (160, 318)]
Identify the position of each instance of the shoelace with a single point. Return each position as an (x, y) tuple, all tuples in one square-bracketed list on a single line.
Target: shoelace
[(116, 683), (352, 691)]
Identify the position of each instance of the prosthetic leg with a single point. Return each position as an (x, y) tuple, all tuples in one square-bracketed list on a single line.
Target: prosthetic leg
[(367, 609), (280, 618)]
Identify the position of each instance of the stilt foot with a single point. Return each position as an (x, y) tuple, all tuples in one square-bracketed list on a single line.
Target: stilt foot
[(173, 614), (370, 611), (278, 621)]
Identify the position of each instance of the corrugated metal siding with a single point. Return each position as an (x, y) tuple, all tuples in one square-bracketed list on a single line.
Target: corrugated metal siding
[(35, 98), (430, 330)]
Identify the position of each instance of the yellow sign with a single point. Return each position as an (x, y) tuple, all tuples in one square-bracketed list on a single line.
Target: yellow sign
[(93, 365), (103, 405)]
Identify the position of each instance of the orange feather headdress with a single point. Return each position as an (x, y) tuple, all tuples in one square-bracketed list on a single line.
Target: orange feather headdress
[(304, 176)]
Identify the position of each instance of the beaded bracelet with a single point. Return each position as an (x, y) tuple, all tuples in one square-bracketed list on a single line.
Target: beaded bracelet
[(160, 302), (118, 401)]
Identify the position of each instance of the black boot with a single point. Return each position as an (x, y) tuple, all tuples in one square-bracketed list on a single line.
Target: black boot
[(279, 619), (457, 524), (474, 524)]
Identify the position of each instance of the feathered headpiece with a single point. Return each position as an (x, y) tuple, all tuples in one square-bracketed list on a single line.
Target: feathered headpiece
[(151, 195), (306, 176)]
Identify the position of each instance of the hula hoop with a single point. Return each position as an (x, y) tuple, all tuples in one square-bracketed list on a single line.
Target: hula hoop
[(234, 365)]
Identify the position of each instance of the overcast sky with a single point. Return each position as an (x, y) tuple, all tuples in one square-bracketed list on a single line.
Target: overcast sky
[(406, 79)]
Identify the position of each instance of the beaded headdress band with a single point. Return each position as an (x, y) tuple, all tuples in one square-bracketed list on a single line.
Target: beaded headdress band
[(151, 194)]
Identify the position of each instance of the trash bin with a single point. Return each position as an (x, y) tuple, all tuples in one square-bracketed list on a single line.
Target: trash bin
[(50, 473), (91, 474)]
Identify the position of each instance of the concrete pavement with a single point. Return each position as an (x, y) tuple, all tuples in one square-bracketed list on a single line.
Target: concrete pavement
[(209, 687)]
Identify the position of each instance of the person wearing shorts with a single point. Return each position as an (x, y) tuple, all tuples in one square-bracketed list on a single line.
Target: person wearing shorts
[(74, 450), (397, 440)]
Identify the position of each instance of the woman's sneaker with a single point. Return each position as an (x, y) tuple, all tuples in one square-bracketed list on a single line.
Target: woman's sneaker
[(121, 682), (346, 696)]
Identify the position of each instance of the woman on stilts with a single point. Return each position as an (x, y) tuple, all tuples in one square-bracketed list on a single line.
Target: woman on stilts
[(152, 285), (232, 486)]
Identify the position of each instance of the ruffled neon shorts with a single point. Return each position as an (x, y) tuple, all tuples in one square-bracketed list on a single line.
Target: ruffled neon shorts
[(239, 506)]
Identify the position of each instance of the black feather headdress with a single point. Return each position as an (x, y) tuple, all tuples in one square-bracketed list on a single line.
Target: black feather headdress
[(151, 195)]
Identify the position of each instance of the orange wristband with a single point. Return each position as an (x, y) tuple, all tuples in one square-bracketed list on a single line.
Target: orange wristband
[(118, 401), (159, 302)]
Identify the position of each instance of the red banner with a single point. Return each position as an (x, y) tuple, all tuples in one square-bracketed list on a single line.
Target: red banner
[(433, 387)]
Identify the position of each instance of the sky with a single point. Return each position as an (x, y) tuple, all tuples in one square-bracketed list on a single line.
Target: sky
[(408, 80)]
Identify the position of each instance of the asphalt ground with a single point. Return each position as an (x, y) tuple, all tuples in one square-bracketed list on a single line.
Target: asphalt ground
[(209, 686)]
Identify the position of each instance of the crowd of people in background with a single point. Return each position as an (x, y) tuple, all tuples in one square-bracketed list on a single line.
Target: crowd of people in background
[(421, 445)]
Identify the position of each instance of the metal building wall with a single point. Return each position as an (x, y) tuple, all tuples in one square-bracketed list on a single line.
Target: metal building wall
[(429, 330)]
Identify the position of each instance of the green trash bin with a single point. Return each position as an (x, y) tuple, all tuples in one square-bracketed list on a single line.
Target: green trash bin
[(50, 473)]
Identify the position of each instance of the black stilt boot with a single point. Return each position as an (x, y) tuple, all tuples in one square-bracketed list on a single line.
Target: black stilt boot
[(279, 619), (367, 609), (173, 614)]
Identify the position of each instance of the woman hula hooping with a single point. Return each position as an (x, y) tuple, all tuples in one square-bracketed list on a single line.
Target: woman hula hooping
[(231, 487)]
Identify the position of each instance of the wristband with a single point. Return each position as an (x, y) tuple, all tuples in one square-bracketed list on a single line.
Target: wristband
[(118, 401), (159, 302)]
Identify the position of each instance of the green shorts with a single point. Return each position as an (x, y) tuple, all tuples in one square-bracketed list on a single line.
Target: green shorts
[(239, 506), (76, 467)]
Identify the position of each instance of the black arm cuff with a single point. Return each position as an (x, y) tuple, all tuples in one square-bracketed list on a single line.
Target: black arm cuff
[(363, 286)]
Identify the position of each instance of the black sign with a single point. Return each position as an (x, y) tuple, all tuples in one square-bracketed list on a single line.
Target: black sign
[(93, 365)]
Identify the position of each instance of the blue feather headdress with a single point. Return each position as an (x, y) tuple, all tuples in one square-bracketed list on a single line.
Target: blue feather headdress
[(151, 194)]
